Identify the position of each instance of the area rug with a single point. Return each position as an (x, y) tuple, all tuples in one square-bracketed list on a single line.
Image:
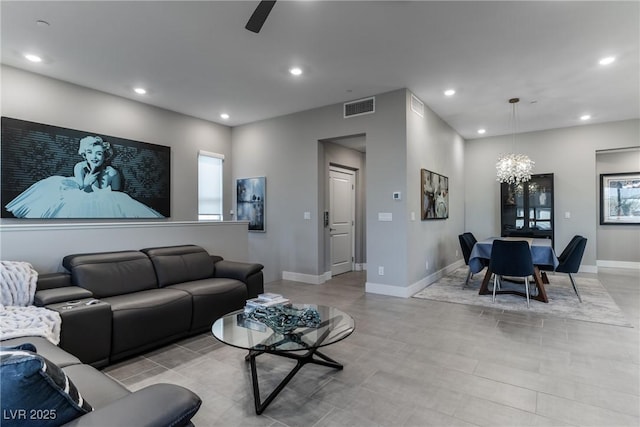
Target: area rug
[(597, 305)]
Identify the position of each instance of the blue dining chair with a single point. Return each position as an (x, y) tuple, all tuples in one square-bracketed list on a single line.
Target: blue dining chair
[(467, 240), (511, 258), (570, 259)]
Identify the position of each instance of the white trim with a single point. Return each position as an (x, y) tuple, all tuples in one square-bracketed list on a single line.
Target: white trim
[(617, 264), (211, 154), (409, 291), (97, 225), (389, 290), (361, 266), (306, 278)]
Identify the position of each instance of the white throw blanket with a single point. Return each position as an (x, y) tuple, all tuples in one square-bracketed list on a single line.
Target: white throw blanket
[(29, 321), (17, 283), (18, 316)]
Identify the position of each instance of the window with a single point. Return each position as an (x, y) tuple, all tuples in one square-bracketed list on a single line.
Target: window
[(210, 186)]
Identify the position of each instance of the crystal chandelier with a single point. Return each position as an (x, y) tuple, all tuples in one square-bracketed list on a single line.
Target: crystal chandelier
[(514, 168)]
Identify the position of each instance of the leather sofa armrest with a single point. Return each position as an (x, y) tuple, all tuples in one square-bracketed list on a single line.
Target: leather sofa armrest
[(248, 273), (153, 406), (55, 295), (53, 280)]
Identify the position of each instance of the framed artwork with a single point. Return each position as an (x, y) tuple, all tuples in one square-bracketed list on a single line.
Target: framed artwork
[(52, 172), (434, 195), (620, 198), (251, 197)]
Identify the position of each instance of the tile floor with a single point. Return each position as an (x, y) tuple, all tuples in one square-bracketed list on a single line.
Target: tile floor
[(421, 363)]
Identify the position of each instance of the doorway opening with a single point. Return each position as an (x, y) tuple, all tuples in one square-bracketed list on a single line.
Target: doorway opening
[(343, 191)]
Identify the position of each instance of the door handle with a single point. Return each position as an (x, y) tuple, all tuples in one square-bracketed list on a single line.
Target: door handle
[(332, 229)]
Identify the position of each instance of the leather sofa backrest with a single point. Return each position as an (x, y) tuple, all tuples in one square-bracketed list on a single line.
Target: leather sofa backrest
[(108, 274), (178, 264)]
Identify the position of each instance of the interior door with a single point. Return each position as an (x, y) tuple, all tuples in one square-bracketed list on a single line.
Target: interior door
[(341, 219)]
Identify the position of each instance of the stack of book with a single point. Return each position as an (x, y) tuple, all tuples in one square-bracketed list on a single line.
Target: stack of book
[(266, 300)]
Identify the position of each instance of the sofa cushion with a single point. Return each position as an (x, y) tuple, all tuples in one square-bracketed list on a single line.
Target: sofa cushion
[(177, 264), (213, 298), (36, 392), (147, 319), (46, 349), (111, 273)]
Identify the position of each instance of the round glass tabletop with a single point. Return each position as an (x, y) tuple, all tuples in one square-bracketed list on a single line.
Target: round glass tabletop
[(237, 330)]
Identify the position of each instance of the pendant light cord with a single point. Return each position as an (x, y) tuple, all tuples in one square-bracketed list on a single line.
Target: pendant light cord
[(514, 122)]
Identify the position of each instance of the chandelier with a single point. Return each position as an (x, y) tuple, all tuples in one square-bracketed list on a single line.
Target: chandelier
[(514, 168)]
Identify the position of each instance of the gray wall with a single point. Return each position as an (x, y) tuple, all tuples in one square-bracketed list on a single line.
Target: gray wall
[(432, 144), (286, 150), (35, 98), (398, 144), (617, 245), (570, 154), (40, 99), (44, 245)]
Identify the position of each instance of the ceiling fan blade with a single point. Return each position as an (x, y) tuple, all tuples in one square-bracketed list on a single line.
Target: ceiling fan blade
[(259, 16)]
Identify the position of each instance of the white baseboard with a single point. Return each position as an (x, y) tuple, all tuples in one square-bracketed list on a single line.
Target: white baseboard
[(306, 278), (389, 290), (360, 267), (617, 264), (409, 291), (588, 269)]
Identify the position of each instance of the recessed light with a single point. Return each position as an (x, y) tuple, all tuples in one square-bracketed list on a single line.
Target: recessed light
[(449, 92), (140, 90), (224, 116), (33, 58), (608, 60), (295, 71), (585, 117), (481, 131)]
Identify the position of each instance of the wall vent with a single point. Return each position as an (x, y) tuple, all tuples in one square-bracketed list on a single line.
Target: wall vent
[(417, 106), (360, 107)]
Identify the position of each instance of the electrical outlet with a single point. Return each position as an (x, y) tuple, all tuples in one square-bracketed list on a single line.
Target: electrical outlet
[(381, 271), (456, 253), (427, 265)]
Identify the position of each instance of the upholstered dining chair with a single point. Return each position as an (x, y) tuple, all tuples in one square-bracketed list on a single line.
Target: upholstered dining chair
[(467, 240), (570, 259), (511, 258)]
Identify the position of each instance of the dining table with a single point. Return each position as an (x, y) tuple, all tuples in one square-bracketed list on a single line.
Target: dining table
[(542, 254)]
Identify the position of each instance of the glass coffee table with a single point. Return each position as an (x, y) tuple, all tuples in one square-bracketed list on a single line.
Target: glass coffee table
[(302, 344)]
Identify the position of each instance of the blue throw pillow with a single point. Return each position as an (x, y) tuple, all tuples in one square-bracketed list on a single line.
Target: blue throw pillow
[(36, 392)]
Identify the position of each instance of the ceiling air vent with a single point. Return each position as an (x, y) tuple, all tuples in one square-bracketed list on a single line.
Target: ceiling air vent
[(417, 106), (360, 107)]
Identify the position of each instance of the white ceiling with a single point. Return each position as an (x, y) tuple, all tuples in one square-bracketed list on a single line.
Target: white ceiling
[(196, 57)]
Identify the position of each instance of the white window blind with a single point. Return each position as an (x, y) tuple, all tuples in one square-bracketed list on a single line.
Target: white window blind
[(210, 185)]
